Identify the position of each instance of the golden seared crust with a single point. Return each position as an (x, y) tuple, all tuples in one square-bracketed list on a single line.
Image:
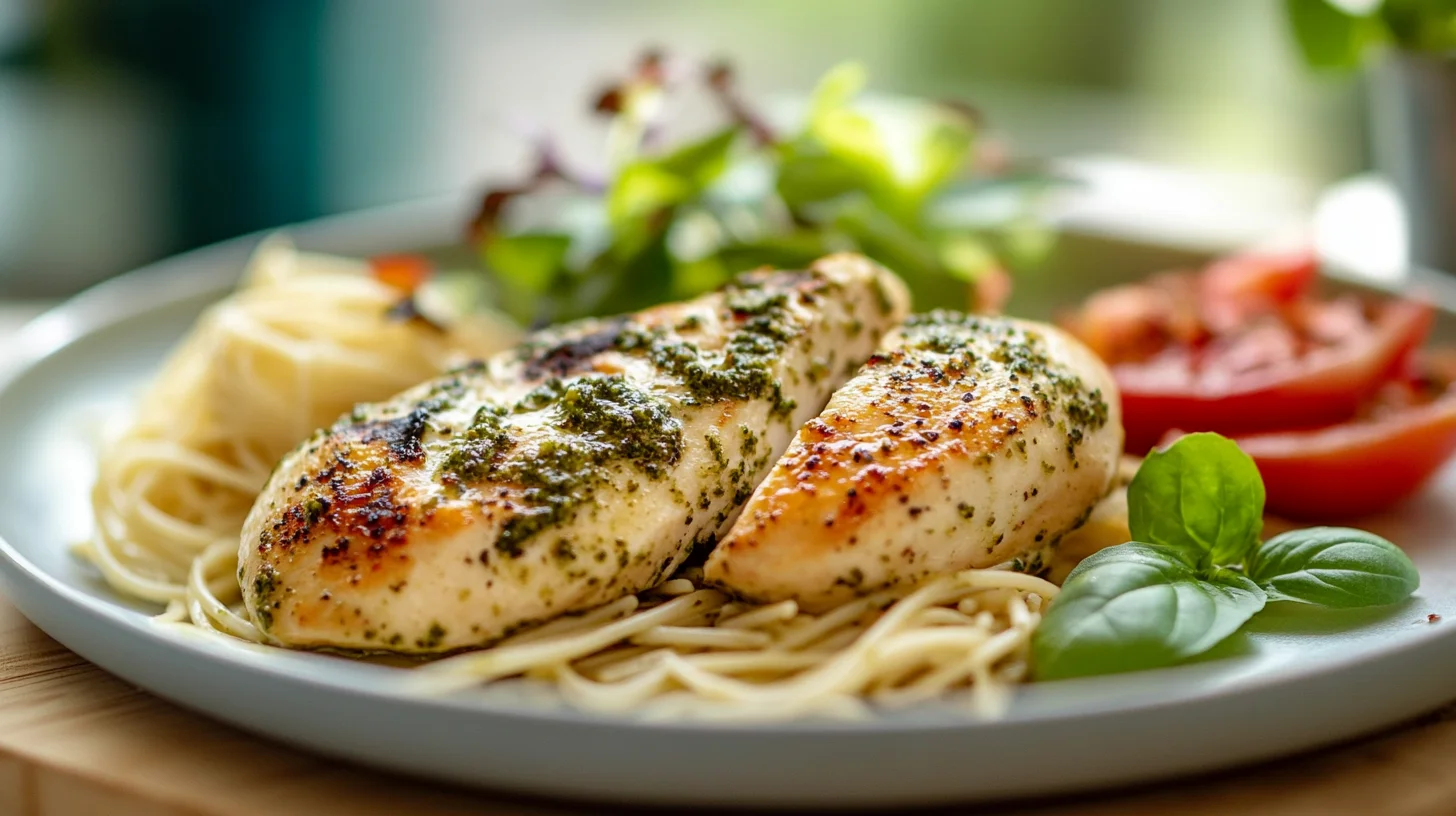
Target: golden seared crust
[(965, 442), (869, 455), (584, 465)]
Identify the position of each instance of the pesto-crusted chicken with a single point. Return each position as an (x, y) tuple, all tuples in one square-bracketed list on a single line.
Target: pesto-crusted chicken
[(583, 466), (963, 442)]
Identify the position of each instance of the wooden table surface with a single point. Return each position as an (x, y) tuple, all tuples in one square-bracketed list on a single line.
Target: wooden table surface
[(76, 741)]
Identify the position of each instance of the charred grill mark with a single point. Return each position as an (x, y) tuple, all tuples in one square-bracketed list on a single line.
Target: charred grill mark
[(355, 505), (400, 435), (573, 356), (336, 553)]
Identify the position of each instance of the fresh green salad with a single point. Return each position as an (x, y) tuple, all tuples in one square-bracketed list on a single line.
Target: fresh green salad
[(908, 183)]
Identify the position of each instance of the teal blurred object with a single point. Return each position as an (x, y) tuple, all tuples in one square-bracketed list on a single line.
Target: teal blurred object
[(241, 82), (216, 104)]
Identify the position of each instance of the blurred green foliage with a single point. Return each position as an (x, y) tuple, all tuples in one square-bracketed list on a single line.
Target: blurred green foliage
[(1338, 37), (675, 221)]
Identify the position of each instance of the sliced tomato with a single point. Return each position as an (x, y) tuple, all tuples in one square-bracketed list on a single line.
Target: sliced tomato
[(1355, 468), (1134, 322), (1232, 290), (1401, 438), (1331, 397), (1244, 346), (1268, 377)]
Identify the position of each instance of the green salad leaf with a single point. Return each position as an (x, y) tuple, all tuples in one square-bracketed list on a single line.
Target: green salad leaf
[(1202, 496), (1333, 566), (526, 265), (1139, 606)]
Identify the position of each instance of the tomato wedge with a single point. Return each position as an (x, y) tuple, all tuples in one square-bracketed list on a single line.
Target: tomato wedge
[(1182, 387), (1402, 438), (1233, 289), (1355, 468), (1332, 397), (1133, 322), (1244, 346)]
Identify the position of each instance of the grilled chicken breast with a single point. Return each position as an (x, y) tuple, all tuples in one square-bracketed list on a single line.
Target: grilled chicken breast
[(964, 442), (581, 467)]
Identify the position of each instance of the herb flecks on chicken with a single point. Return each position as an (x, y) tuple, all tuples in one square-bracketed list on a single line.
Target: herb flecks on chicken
[(963, 442), (585, 465)]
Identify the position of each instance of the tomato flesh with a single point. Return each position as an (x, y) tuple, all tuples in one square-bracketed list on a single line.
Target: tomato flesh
[(1322, 386), (1319, 391), (1354, 468), (1233, 289)]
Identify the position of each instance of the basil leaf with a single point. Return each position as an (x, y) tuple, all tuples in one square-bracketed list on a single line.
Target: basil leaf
[(1333, 566), (1202, 496), (1138, 606)]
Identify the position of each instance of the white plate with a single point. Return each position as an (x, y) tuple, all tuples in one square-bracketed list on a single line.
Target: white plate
[(1301, 678)]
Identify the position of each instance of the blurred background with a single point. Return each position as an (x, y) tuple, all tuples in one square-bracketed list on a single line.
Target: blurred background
[(132, 129)]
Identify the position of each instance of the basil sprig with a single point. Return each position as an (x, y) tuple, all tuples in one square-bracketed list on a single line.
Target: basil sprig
[(1196, 572)]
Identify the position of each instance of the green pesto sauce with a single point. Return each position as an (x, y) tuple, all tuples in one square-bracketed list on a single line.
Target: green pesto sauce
[(715, 447), (818, 370), (1033, 563), (602, 422), (750, 300), (743, 368), (265, 584), (470, 456), (433, 638)]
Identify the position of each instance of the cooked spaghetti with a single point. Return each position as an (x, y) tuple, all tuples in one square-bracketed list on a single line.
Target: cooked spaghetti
[(684, 650), (305, 338)]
